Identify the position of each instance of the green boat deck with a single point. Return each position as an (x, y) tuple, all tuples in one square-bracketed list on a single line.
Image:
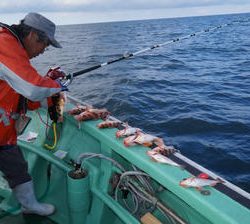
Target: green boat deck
[(24, 219), (91, 199)]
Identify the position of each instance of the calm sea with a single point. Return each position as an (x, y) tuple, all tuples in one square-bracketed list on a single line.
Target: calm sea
[(194, 93)]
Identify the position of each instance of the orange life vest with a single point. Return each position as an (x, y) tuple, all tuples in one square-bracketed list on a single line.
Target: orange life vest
[(18, 77)]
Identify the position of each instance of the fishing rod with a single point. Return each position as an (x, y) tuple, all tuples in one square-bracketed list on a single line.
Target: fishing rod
[(129, 55)]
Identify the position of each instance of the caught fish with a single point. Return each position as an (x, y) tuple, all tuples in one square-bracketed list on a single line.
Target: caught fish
[(130, 140), (199, 183), (60, 106), (102, 113), (85, 116), (109, 124), (127, 131), (90, 114), (165, 150), (78, 109), (148, 140), (163, 159)]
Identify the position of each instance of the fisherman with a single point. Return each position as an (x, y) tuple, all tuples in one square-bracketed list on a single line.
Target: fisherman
[(22, 88)]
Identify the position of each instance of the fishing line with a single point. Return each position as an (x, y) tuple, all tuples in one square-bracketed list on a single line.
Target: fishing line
[(129, 55)]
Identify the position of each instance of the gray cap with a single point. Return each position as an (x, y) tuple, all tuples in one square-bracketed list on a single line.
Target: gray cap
[(41, 23)]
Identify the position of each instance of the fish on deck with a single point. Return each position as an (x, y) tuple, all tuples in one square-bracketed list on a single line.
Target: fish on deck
[(163, 159), (200, 182)]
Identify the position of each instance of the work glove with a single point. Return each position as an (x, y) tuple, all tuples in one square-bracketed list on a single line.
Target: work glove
[(56, 73), (59, 76)]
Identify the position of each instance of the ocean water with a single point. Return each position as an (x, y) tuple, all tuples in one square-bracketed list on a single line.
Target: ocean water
[(195, 93)]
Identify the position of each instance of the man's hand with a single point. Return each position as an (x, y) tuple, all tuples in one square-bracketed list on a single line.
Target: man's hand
[(56, 73)]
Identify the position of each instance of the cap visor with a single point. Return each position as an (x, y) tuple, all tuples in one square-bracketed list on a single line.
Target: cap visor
[(54, 43)]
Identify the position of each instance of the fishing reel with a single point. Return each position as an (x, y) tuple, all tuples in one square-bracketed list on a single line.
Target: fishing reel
[(56, 73)]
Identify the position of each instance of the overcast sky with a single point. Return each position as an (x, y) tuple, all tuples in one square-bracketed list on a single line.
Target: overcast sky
[(88, 11)]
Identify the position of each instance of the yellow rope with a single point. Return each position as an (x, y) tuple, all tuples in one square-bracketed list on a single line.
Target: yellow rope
[(51, 147)]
